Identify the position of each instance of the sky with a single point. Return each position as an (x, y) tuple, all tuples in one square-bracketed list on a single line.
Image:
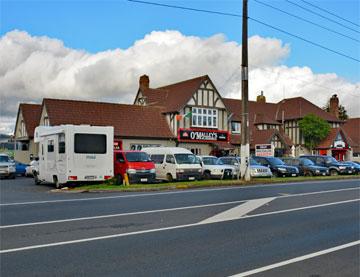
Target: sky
[(98, 49)]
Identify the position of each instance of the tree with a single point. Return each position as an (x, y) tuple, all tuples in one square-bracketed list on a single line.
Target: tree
[(342, 111), (314, 130)]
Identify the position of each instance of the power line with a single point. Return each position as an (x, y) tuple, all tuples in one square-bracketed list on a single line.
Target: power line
[(333, 14), (325, 17), (253, 19), (306, 20)]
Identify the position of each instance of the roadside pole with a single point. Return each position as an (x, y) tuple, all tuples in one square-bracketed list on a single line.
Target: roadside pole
[(245, 147)]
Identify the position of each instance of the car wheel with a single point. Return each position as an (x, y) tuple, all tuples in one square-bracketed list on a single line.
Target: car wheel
[(119, 180), (207, 175), (333, 172), (169, 177), (56, 183)]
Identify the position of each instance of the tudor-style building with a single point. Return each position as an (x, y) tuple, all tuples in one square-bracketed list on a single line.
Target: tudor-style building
[(190, 114)]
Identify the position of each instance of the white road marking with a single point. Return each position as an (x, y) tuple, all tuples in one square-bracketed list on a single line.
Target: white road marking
[(160, 229), (238, 211), (167, 193), (297, 259), (165, 210)]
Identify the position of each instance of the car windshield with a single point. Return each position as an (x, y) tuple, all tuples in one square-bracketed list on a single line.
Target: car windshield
[(210, 160), (185, 159), (253, 162), (275, 161), (4, 159), (329, 160), (137, 157), (307, 162)]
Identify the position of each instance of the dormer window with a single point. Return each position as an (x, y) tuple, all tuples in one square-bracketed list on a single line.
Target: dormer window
[(235, 127), (206, 118)]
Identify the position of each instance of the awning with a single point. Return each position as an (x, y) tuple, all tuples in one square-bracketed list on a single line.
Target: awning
[(223, 145)]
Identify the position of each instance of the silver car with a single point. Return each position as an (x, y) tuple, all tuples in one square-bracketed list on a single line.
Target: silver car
[(256, 170), (7, 166), (213, 168)]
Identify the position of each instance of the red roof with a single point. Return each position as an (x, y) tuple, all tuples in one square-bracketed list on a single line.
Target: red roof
[(298, 107), (173, 97), (31, 114), (128, 120), (352, 129)]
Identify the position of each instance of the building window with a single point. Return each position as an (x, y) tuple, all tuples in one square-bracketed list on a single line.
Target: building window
[(235, 127), (204, 118)]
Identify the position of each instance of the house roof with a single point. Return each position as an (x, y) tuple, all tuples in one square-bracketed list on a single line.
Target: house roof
[(328, 141), (258, 112), (298, 107), (173, 97), (31, 114), (128, 120), (352, 129)]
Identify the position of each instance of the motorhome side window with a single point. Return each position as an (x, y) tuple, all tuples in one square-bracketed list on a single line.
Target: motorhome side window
[(61, 143), (90, 144), (50, 146), (157, 159)]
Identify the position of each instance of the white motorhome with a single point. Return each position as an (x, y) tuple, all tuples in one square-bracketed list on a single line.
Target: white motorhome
[(174, 163), (74, 153)]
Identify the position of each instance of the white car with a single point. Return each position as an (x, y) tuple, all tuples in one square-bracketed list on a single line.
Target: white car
[(213, 168), (7, 166), (256, 169), (33, 167)]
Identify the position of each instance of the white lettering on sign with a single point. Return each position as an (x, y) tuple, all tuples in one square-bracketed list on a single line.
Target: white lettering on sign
[(204, 135)]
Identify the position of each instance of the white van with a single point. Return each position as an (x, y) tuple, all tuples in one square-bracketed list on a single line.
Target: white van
[(174, 163), (74, 153)]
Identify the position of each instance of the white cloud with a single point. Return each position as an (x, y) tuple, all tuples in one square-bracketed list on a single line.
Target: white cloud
[(35, 67)]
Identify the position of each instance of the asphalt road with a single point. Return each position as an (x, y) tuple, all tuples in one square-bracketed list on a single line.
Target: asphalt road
[(299, 229)]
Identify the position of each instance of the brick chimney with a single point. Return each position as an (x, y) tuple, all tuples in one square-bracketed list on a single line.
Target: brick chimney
[(261, 98), (334, 105), (144, 82)]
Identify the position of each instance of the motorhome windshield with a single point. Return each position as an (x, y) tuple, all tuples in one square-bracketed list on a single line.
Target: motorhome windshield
[(90, 144), (4, 159), (185, 159), (137, 157)]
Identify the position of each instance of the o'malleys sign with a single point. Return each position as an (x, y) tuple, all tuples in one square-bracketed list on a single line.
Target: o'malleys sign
[(202, 135)]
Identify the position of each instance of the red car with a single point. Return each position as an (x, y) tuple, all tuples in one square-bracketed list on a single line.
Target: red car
[(137, 165)]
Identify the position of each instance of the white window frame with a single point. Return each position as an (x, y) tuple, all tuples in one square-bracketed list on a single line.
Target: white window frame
[(237, 131), (198, 114)]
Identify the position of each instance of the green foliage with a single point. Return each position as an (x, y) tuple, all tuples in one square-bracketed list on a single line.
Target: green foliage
[(314, 130)]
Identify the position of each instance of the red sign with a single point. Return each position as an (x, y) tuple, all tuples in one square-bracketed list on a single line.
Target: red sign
[(117, 145), (202, 135)]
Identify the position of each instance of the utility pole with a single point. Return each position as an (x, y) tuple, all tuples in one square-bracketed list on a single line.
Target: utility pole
[(245, 141)]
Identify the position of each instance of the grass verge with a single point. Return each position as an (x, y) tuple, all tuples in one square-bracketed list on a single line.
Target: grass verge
[(110, 186)]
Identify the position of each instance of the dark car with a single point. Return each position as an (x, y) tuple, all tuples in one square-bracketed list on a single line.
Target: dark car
[(20, 168), (306, 167), (335, 167), (277, 166), (355, 166)]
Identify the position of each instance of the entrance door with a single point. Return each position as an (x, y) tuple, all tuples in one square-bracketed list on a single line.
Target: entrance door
[(339, 154)]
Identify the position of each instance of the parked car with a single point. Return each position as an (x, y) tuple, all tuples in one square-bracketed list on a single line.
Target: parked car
[(354, 166), (306, 167), (33, 168), (136, 164), (233, 162), (7, 166), (213, 168), (257, 170), (277, 166), (334, 167), (20, 168), (174, 163)]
